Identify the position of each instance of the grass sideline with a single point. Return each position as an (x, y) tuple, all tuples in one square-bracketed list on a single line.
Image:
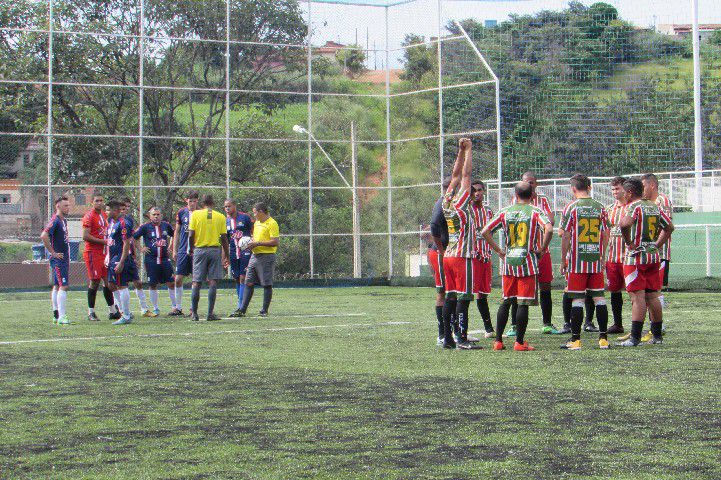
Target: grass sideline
[(346, 396)]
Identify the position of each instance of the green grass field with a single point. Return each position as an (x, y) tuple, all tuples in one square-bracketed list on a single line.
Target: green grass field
[(333, 385)]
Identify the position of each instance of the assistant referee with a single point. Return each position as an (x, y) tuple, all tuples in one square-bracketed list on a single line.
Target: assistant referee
[(206, 237), (261, 267)]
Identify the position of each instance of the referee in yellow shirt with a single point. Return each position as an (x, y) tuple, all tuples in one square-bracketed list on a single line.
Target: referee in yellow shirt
[(261, 266), (207, 234)]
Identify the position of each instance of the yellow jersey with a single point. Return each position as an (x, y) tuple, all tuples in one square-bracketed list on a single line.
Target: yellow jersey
[(208, 226), (263, 232)]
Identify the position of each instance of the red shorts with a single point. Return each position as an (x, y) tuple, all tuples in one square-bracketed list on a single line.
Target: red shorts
[(521, 288), (437, 269), (95, 263), (642, 277), (482, 276), (545, 268), (614, 275), (458, 274), (578, 283)]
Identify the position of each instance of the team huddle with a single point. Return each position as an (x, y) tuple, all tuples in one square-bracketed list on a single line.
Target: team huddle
[(623, 246), (203, 243)]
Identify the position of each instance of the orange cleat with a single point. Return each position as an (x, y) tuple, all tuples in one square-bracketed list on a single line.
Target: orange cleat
[(524, 347), (498, 345)]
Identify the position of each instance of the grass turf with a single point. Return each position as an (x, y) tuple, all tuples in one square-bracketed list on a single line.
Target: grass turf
[(246, 399)]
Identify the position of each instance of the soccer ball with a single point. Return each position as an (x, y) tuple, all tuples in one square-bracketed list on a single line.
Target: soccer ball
[(244, 242)]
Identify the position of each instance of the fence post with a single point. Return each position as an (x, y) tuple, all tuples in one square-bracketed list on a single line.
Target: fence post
[(555, 196), (670, 188), (713, 191), (708, 251)]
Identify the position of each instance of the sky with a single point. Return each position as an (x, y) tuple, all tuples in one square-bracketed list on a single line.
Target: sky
[(343, 22)]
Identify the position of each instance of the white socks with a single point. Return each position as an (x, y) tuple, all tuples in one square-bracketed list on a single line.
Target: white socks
[(141, 296), (54, 297), (116, 297), (171, 294), (154, 298), (179, 297), (124, 295), (62, 300)]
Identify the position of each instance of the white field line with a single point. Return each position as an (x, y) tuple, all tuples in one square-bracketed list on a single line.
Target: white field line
[(191, 334)]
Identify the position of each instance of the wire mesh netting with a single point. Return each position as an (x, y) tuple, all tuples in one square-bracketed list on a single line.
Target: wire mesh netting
[(151, 98)]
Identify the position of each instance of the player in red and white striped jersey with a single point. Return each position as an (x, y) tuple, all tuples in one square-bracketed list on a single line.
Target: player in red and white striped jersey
[(650, 192), (482, 214), (585, 238), (616, 252)]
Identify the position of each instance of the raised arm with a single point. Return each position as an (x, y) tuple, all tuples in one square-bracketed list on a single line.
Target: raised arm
[(467, 165), (457, 173)]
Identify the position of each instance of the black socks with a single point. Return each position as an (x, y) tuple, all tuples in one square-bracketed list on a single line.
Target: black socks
[(590, 309), (247, 295), (91, 297), (462, 317), (439, 317), (546, 307), (483, 309), (267, 297), (576, 321), (567, 303), (617, 307), (514, 310), (195, 299), (212, 292), (657, 330), (636, 331), (521, 322), (502, 319), (108, 296), (449, 309), (602, 316)]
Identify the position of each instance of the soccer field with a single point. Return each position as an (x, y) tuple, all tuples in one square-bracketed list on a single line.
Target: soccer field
[(348, 383)]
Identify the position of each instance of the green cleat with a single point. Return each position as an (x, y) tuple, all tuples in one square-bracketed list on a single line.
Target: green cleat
[(511, 332), (123, 321), (63, 320), (550, 330)]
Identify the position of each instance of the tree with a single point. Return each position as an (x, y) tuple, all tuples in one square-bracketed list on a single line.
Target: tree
[(417, 60), (352, 59)]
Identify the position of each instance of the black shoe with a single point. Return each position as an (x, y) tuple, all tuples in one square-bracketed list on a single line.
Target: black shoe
[(212, 318), (176, 313), (194, 317), (449, 345), (263, 313), (590, 327), (565, 330), (114, 316), (93, 318), (237, 313), (615, 329)]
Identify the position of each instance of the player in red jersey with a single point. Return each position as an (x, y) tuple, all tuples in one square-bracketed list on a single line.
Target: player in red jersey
[(482, 269), (95, 226), (616, 253), (645, 230), (585, 237)]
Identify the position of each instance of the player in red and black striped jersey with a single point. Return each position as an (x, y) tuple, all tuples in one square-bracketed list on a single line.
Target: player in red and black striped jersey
[(616, 252), (520, 224), (645, 229), (585, 238), (457, 259), (482, 269)]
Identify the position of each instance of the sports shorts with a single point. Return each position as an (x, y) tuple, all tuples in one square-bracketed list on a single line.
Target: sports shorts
[(580, 283), (261, 269), (127, 276), (239, 266), (158, 273), (437, 268), (614, 277), (642, 277), (482, 276), (95, 264), (60, 269), (183, 264), (522, 289), (207, 264), (458, 272), (545, 268)]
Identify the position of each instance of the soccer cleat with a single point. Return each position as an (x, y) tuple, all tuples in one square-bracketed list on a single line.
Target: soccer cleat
[(449, 345), (571, 345), (123, 320), (176, 312), (511, 332), (262, 314), (590, 327), (472, 339), (550, 330), (156, 311), (439, 341), (212, 318), (194, 317), (655, 341), (647, 337), (236, 314), (630, 342), (565, 330), (149, 314), (522, 347), (63, 320), (92, 317), (623, 338), (498, 345), (490, 334), (603, 344), (467, 346), (615, 329), (115, 315)]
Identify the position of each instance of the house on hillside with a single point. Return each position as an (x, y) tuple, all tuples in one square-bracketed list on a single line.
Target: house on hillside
[(328, 50), (705, 30)]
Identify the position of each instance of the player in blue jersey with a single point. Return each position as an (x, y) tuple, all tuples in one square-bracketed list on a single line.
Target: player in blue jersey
[(181, 249), (122, 269), (157, 238), (55, 238), (125, 210), (238, 225)]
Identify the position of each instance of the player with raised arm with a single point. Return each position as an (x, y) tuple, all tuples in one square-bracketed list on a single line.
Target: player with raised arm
[(458, 257), (482, 269), (157, 238), (55, 239), (181, 249), (95, 226), (521, 224), (616, 252), (585, 237), (239, 225), (121, 266), (645, 230)]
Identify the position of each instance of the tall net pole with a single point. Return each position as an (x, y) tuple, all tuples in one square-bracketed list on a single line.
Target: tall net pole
[(388, 150), (698, 133), (441, 139), (51, 21), (310, 140)]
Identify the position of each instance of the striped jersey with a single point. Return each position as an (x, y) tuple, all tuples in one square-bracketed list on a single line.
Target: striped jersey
[(482, 214), (521, 224), (616, 245), (664, 203), (648, 222), (585, 219), (540, 201), (157, 238), (459, 216)]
